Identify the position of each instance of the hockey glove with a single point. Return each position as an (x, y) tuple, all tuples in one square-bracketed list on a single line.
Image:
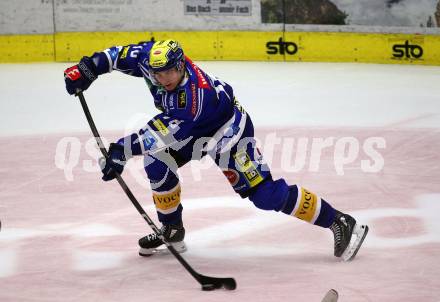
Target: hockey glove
[(79, 77), (114, 163)]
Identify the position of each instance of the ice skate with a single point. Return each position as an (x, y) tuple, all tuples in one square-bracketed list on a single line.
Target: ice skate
[(348, 236), (151, 244)]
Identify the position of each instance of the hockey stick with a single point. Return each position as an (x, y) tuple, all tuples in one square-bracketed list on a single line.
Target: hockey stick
[(208, 283), (331, 296)]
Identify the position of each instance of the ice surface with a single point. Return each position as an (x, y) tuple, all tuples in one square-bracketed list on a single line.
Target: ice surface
[(67, 236)]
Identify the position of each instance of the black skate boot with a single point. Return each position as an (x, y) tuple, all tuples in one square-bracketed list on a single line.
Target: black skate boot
[(348, 236), (173, 233)]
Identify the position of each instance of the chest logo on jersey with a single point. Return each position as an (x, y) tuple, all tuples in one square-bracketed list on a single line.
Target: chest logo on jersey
[(181, 99), (171, 102)]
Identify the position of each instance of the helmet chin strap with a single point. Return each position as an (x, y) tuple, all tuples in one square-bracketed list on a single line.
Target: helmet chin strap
[(181, 65), (184, 78)]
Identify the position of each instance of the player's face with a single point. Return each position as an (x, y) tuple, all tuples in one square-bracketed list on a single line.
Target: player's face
[(169, 78)]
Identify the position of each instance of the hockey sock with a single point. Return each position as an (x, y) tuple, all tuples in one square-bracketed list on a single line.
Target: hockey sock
[(307, 206), (168, 205)]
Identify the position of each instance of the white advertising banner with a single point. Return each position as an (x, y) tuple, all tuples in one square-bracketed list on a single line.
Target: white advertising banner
[(218, 7), (149, 15), (26, 17), (48, 16)]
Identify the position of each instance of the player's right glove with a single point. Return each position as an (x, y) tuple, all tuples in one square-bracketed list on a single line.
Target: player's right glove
[(79, 77), (114, 163)]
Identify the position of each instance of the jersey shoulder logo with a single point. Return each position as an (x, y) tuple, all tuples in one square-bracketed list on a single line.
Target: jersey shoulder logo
[(124, 52)]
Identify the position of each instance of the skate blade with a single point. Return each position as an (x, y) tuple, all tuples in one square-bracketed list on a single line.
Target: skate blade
[(180, 247), (331, 296), (357, 238)]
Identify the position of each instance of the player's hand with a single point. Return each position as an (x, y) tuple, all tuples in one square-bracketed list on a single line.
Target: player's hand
[(80, 76), (114, 163)]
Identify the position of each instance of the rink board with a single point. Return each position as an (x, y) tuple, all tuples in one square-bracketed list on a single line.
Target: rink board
[(27, 48), (236, 45)]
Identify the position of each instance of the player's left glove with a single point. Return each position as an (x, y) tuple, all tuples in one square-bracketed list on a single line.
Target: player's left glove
[(79, 77), (114, 163)]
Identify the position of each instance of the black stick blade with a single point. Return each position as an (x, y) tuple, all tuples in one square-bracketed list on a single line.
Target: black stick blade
[(211, 283)]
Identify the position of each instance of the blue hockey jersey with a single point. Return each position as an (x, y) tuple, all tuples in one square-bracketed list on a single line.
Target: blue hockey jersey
[(202, 104)]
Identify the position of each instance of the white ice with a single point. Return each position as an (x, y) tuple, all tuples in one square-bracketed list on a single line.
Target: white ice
[(75, 239), (34, 100)]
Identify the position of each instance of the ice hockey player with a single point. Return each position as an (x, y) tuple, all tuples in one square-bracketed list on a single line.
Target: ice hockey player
[(200, 116)]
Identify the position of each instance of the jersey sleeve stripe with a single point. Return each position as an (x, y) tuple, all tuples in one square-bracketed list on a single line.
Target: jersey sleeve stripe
[(110, 62)]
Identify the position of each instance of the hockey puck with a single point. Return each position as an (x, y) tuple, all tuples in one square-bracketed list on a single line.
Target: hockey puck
[(208, 287)]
